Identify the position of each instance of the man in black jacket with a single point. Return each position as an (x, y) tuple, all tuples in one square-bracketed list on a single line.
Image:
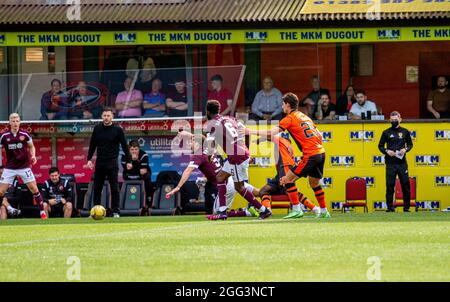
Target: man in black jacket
[(106, 138), (140, 169), (398, 142)]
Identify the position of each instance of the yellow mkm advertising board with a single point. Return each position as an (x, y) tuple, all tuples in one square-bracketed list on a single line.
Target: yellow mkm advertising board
[(352, 151)]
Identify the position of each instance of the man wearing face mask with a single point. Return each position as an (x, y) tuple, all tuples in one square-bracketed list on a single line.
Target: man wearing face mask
[(394, 143)]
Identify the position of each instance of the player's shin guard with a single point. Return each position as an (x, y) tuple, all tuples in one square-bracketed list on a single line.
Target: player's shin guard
[(305, 201), (292, 192), (250, 198), (266, 200), (37, 199), (320, 196)]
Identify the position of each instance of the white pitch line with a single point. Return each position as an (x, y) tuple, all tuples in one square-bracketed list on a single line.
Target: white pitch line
[(144, 232)]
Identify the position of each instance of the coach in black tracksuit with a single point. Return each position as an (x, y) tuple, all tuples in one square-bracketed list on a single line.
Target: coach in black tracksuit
[(106, 138), (398, 142)]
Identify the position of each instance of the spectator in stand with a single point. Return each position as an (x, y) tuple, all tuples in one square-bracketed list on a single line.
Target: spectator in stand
[(315, 93), (142, 64), (221, 94), (325, 109), (129, 101), (176, 101), (267, 102), (307, 107), (438, 101), (155, 101), (345, 101), (84, 104), (54, 103), (362, 106)]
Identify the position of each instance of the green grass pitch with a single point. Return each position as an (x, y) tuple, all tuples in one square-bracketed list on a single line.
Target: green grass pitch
[(409, 246)]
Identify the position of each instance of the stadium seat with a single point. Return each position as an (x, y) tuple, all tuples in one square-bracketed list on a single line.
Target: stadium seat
[(355, 194), (89, 198), (132, 197), (399, 193), (165, 182), (280, 202)]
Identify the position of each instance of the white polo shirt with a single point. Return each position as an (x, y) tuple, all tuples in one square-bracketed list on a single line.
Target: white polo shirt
[(368, 106)]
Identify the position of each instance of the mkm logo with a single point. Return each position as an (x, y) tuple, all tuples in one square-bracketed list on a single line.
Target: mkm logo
[(326, 182), (378, 160), (259, 36), (442, 135), (413, 134), (342, 161), (379, 206), (327, 136), (336, 205), (388, 34), (370, 181), (427, 160), (359, 136), (442, 181), (2, 39), (428, 205), (261, 161), (125, 37)]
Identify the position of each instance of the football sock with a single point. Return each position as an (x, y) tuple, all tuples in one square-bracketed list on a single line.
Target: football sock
[(250, 198), (306, 202), (320, 196), (266, 200), (292, 192), (37, 197)]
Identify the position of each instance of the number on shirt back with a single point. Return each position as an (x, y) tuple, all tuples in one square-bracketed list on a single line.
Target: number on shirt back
[(231, 131), (308, 131)]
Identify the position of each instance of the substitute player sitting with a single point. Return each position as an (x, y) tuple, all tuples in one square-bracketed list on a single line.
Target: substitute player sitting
[(11, 198), (20, 156), (57, 195)]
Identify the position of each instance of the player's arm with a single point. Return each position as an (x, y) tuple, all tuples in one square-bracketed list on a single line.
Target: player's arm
[(92, 147), (186, 173), (32, 151), (45, 192), (144, 168), (125, 149), (409, 143)]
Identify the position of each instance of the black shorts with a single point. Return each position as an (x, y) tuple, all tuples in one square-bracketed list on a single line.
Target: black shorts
[(57, 210), (310, 166), (274, 183)]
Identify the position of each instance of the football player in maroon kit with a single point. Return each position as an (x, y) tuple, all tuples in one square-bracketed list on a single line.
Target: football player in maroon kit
[(20, 156)]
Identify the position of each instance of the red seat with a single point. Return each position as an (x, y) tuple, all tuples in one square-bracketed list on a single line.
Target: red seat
[(355, 193), (280, 202), (399, 193)]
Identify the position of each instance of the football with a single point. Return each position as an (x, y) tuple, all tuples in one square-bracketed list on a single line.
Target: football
[(98, 212)]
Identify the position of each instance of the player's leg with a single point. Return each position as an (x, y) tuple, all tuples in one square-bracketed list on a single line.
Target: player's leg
[(68, 210), (221, 208), (99, 180), (241, 173), (403, 176), (391, 175), (12, 211), (112, 173), (3, 212), (28, 178), (210, 198), (6, 179), (314, 170)]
